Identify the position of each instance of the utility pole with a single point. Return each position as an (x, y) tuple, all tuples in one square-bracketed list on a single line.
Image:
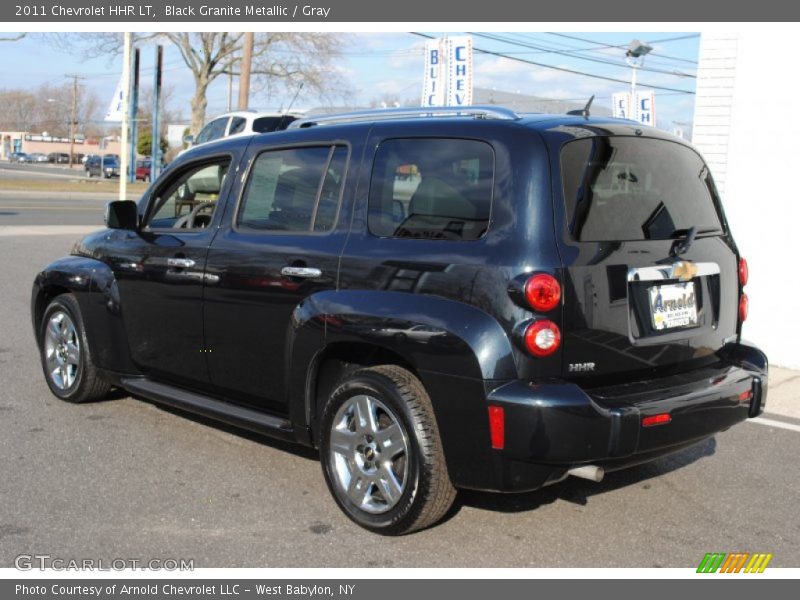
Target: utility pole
[(230, 88), (244, 78), (134, 108), (155, 148), (73, 116)]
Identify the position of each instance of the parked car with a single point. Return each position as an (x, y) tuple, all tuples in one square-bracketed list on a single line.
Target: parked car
[(58, 157), (557, 296), (18, 157), (102, 166), (143, 170), (38, 157), (240, 123)]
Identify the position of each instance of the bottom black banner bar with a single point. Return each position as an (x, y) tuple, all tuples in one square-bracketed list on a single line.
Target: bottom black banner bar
[(389, 589)]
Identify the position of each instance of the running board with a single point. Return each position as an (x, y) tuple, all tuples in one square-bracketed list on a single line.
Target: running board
[(206, 406)]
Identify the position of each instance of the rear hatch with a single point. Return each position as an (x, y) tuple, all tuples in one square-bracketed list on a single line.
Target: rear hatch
[(650, 272)]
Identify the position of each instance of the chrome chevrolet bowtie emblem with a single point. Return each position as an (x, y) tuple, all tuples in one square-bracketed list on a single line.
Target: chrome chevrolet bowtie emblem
[(683, 270)]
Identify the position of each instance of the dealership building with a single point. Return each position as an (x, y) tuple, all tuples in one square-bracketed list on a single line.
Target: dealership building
[(745, 126), (30, 143)]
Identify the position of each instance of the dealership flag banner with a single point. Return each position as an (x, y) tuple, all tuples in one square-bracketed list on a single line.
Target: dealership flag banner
[(644, 110), (459, 71), (433, 86), (646, 107), (115, 109), (620, 105)]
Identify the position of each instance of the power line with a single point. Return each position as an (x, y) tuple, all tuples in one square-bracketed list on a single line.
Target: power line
[(660, 41), (612, 63), (562, 69)]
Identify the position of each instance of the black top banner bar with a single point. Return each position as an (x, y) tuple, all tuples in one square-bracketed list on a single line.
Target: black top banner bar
[(341, 11)]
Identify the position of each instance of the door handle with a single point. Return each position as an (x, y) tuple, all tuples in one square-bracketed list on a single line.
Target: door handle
[(183, 263), (304, 272)]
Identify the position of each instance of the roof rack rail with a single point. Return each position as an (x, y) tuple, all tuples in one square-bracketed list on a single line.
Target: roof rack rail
[(478, 112)]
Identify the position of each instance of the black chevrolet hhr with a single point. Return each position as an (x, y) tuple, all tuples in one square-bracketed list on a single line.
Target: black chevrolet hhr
[(465, 298)]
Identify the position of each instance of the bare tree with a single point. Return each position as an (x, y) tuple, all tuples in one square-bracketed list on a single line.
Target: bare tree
[(48, 108), (19, 110), (281, 60)]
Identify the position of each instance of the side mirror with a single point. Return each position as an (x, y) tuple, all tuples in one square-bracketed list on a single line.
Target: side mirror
[(122, 214), (188, 140)]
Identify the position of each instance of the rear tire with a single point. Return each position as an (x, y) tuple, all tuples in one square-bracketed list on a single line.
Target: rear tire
[(64, 350), (381, 453)]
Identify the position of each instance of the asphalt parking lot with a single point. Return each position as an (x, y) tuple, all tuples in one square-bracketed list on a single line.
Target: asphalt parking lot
[(126, 479)]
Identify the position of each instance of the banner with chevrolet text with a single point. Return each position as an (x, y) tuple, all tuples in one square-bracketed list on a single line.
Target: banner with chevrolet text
[(448, 72), (643, 110), (459, 70)]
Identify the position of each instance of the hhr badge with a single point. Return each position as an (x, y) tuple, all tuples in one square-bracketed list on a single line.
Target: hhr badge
[(581, 367)]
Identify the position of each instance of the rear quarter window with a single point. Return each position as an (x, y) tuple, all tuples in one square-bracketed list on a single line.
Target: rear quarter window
[(436, 189), (631, 188)]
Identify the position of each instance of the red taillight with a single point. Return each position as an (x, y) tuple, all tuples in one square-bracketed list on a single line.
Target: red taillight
[(542, 338), (744, 272), (746, 396), (653, 420), (744, 306), (497, 427), (543, 292)]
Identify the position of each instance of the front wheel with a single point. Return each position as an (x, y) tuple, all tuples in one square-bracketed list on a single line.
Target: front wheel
[(381, 452), (66, 360)]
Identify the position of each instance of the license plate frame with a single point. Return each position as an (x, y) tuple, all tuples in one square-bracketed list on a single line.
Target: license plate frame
[(673, 306)]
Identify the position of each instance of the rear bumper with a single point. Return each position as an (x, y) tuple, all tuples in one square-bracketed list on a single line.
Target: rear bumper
[(552, 426)]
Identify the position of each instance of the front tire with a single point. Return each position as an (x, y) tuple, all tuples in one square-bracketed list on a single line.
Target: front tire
[(381, 452), (64, 349)]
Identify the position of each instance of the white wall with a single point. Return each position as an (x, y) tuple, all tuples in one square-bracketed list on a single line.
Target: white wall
[(747, 124)]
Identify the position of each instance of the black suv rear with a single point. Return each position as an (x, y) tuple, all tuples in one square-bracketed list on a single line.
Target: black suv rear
[(473, 299)]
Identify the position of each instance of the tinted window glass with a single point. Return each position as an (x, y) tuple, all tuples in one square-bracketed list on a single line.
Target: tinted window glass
[(330, 194), (294, 190), (237, 125), (214, 130), (626, 188), (269, 124), (188, 200), (431, 189)]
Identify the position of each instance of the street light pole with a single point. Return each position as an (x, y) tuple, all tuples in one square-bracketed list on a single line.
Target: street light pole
[(637, 50)]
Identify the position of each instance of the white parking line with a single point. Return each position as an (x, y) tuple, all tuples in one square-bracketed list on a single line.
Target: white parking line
[(26, 230), (773, 423)]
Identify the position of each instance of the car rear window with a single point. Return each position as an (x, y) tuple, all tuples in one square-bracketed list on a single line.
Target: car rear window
[(270, 124), (631, 188), (436, 189)]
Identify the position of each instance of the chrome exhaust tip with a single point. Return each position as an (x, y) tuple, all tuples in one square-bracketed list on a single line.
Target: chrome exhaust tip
[(590, 472)]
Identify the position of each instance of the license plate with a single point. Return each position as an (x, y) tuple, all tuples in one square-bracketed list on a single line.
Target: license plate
[(673, 305)]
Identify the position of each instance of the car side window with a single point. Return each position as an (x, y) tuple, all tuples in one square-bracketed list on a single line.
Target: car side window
[(430, 188), (237, 125), (214, 130), (189, 199), (297, 189)]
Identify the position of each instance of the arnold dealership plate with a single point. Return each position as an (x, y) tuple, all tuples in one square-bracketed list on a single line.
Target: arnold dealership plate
[(673, 305)]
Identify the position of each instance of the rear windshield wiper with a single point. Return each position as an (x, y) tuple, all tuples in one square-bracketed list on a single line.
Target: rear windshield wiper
[(685, 237)]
